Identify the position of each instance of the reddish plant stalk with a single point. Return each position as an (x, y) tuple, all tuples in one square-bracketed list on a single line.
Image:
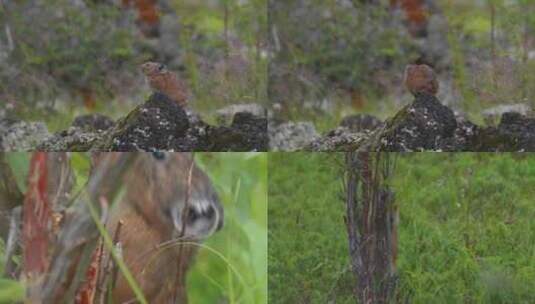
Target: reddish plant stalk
[(36, 218)]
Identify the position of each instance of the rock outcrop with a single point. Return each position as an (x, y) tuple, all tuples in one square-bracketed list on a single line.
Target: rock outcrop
[(427, 125), (21, 135), (157, 124), (291, 136)]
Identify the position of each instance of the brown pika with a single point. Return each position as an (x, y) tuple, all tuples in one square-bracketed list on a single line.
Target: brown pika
[(420, 78), (153, 212), (166, 82)]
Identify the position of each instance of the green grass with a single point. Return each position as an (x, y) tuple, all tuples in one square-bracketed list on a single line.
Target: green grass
[(241, 181), (382, 108), (465, 236), (308, 252), (11, 291)]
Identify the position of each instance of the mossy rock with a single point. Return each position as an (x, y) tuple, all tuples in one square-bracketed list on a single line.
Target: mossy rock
[(151, 126)]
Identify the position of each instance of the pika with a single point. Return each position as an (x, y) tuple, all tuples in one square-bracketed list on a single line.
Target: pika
[(166, 82), (420, 78), (153, 211)]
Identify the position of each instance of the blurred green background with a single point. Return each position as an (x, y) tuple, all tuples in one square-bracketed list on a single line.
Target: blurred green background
[(232, 265), (466, 229), (241, 181), (63, 58)]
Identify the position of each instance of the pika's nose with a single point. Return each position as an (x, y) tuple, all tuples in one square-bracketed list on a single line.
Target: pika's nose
[(210, 214), (202, 218), (194, 214)]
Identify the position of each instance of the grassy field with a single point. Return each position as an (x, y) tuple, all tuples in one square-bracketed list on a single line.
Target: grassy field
[(231, 266), (466, 233)]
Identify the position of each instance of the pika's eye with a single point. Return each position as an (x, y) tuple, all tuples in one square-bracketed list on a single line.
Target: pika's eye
[(158, 155), (161, 67)]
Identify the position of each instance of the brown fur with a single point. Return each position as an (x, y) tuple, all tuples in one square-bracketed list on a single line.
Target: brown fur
[(152, 187), (420, 78), (166, 82)]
